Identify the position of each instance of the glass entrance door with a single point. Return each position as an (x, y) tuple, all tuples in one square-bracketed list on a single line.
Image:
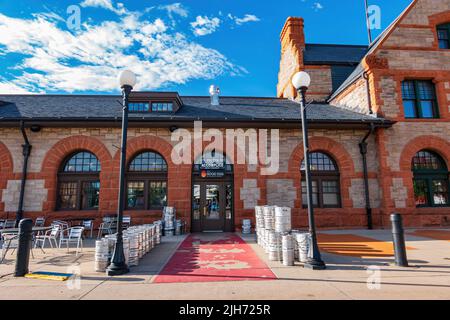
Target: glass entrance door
[(209, 206)]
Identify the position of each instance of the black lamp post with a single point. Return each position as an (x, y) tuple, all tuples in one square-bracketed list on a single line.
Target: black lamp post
[(301, 82), (118, 266)]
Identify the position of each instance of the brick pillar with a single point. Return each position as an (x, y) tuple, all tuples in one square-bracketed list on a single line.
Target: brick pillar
[(292, 46)]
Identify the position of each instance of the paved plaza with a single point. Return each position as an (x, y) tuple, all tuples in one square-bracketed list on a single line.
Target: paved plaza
[(359, 266)]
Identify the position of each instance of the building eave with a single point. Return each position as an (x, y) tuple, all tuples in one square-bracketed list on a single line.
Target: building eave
[(188, 123)]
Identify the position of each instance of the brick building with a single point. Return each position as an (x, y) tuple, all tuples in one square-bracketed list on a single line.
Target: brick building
[(380, 137)]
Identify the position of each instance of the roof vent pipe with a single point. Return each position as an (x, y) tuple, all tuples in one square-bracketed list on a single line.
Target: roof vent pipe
[(214, 92)]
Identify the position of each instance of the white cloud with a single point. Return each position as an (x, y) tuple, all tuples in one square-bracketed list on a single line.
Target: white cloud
[(8, 87), (204, 25), (317, 6), (90, 59), (245, 19), (105, 4), (51, 16), (175, 8)]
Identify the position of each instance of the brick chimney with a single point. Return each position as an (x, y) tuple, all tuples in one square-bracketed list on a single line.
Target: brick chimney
[(292, 46)]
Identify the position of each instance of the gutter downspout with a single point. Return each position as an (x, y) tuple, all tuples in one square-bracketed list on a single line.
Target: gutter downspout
[(26, 151), (363, 151), (369, 99)]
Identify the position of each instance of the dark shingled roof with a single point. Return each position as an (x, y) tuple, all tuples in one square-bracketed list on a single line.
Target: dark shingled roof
[(339, 74), (108, 108), (333, 54), (342, 58), (357, 73), (359, 70)]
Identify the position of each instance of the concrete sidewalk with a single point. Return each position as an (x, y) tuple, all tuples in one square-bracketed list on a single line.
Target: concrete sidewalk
[(346, 277)]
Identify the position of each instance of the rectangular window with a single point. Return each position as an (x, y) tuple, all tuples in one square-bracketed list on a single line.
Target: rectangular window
[(138, 106), (162, 107), (228, 201), (157, 194), (196, 202), (443, 36), (440, 192), (68, 195), (315, 193), (330, 190), (419, 99), (90, 195), (135, 195), (421, 193)]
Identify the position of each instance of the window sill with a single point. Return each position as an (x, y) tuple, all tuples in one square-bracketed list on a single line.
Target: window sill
[(75, 210), (433, 207), (322, 208), (143, 211), (425, 120)]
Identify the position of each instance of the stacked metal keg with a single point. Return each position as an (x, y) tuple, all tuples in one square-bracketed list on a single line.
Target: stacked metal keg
[(246, 226), (140, 243), (269, 225), (274, 234), (288, 249), (145, 240), (137, 241), (178, 227), (154, 235), (274, 245), (169, 221), (259, 226), (133, 255), (126, 249), (303, 242), (283, 219), (158, 232), (151, 236), (269, 217), (101, 255), (296, 250)]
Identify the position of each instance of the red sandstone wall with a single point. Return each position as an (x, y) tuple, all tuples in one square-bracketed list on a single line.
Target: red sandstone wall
[(52, 145), (410, 51)]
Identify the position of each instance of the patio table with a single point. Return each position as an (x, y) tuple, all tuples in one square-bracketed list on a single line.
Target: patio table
[(16, 231), (34, 229), (71, 220)]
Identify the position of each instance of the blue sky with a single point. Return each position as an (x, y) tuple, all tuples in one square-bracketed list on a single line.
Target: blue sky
[(179, 46)]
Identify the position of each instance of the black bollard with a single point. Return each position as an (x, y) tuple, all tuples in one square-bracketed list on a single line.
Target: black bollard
[(399, 240), (24, 247)]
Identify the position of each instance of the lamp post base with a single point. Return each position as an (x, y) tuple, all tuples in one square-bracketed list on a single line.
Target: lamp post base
[(117, 269), (313, 264)]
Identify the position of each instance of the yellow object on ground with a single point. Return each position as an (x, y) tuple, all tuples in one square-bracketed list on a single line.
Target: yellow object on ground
[(355, 246), (49, 275), (433, 234)]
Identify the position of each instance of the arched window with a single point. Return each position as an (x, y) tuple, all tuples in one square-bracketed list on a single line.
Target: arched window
[(325, 181), (147, 182), (79, 182), (431, 180)]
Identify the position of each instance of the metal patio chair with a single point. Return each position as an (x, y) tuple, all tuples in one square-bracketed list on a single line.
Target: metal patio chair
[(9, 241), (63, 225), (105, 227), (72, 235), (88, 226), (126, 222), (50, 235), (8, 224), (39, 222)]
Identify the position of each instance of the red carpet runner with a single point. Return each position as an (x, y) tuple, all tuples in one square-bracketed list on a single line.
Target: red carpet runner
[(214, 257)]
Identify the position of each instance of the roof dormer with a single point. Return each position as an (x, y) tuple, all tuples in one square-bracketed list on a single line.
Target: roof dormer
[(161, 102)]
